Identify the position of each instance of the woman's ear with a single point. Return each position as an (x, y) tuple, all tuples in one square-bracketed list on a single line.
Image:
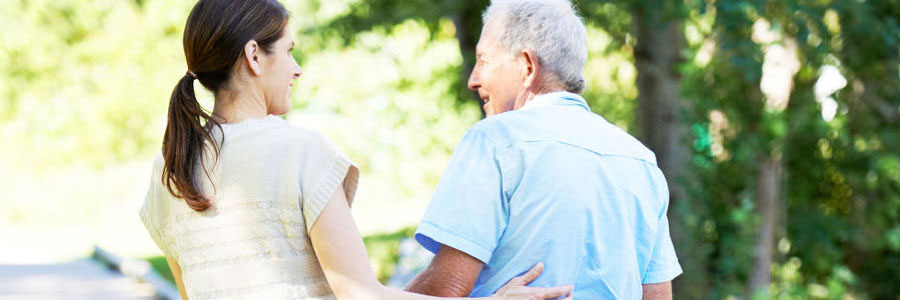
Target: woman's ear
[(251, 56)]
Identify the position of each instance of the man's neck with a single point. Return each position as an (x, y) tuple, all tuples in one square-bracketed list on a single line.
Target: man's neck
[(529, 95)]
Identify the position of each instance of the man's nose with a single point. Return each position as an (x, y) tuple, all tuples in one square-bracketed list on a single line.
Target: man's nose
[(474, 82)]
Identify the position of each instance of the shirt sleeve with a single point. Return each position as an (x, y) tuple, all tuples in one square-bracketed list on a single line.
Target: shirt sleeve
[(323, 170), (468, 210), (663, 264), (152, 211)]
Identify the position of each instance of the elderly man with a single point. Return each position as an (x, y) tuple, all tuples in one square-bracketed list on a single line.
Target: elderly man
[(542, 178)]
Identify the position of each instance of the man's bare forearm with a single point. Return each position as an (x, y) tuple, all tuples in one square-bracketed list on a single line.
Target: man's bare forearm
[(657, 291), (439, 282), (452, 273)]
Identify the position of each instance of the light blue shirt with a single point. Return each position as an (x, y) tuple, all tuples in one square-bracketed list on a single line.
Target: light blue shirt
[(555, 183)]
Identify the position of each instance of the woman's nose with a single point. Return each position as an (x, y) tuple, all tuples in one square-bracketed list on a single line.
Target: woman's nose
[(298, 71)]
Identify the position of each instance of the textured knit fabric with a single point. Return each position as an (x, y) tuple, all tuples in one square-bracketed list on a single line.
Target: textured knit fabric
[(555, 183), (269, 183)]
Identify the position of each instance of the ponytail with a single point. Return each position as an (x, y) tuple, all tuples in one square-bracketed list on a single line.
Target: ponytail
[(214, 38), (184, 142)]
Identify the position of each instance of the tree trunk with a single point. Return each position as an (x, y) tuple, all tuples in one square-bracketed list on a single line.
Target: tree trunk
[(768, 189), (780, 65), (659, 106), (659, 114)]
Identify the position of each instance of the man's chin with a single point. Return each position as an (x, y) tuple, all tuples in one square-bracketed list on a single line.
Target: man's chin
[(488, 111)]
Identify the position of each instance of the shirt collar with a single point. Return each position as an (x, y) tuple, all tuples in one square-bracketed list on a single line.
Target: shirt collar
[(561, 98)]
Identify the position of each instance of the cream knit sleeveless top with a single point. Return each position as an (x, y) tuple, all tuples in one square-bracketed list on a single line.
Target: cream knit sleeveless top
[(270, 183)]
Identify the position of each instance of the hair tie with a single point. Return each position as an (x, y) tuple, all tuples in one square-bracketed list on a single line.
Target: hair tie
[(193, 75)]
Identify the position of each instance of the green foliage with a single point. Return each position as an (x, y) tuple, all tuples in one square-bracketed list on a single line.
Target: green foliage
[(161, 266), (73, 84), (385, 14), (839, 202), (383, 249)]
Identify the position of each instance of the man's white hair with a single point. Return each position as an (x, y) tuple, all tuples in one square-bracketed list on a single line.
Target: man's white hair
[(551, 29)]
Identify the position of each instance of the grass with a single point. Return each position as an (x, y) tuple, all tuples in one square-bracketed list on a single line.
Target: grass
[(160, 265), (383, 251)]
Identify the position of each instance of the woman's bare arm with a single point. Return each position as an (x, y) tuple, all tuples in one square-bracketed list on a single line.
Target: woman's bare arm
[(176, 272)]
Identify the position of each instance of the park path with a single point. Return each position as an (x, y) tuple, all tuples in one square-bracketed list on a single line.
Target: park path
[(79, 279)]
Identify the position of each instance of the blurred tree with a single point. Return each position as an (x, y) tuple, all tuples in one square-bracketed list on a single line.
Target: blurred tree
[(863, 40), (72, 84), (372, 14), (657, 26), (809, 207)]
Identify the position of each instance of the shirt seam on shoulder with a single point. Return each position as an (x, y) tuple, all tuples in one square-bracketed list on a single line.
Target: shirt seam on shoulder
[(635, 157), (438, 228), (500, 149)]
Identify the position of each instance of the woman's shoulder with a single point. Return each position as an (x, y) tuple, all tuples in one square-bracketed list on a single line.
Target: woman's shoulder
[(270, 133), (302, 137), (273, 127), (304, 134)]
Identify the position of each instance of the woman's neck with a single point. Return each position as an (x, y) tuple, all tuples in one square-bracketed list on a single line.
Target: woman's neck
[(235, 105)]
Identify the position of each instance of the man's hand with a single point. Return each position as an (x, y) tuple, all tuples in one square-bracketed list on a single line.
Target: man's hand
[(452, 273)]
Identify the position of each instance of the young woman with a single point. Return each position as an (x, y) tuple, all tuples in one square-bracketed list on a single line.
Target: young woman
[(245, 205)]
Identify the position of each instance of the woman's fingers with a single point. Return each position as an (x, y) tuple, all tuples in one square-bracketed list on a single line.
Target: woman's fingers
[(554, 292), (517, 287), (532, 274)]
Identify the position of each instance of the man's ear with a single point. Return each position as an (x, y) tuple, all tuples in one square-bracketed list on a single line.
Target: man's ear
[(531, 68), (251, 57)]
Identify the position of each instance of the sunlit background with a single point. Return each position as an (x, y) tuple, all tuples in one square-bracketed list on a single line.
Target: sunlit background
[(775, 121)]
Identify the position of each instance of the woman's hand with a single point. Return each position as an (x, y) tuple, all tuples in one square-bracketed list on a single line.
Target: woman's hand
[(516, 289)]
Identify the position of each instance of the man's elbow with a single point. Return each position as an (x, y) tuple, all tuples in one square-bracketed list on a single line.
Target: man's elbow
[(452, 273), (454, 289), (440, 284)]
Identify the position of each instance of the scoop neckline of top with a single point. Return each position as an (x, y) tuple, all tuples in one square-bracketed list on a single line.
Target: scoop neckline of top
[(268, 119)]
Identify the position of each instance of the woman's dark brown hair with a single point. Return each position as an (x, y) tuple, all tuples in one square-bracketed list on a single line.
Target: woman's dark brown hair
[(214, 39)]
